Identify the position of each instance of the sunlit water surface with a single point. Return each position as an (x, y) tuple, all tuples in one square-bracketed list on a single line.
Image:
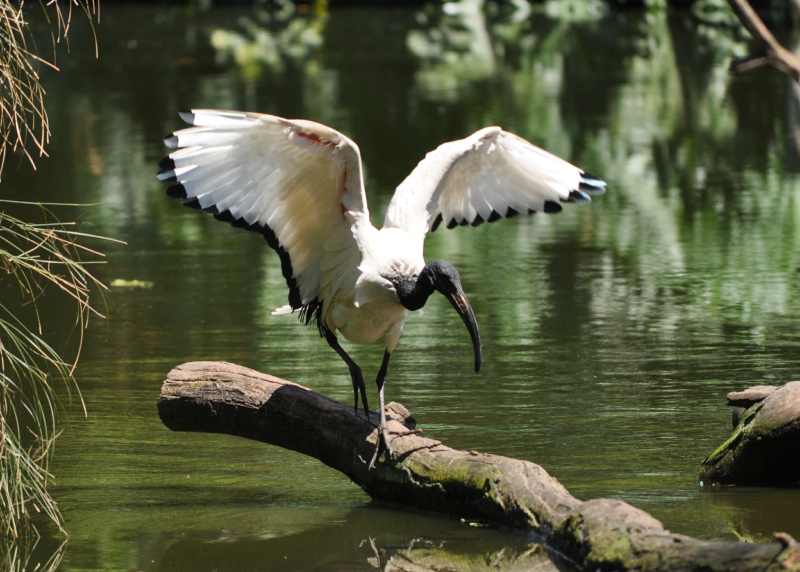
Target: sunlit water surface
[(611, 331)]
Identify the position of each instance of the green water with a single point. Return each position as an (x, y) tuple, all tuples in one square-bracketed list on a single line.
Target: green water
[(611, 331)]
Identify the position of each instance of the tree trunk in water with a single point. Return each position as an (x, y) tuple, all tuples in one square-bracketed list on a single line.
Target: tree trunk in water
[(764, 448), (605, 534)]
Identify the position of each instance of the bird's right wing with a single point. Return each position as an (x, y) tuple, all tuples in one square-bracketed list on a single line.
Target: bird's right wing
[(297, 182), (490, 175)]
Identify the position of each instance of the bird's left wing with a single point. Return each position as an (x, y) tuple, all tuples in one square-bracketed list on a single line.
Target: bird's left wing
[(489, 175), (297, 182)]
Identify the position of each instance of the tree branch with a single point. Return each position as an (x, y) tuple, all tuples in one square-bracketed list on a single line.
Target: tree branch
[(218, 397), (772, 52)]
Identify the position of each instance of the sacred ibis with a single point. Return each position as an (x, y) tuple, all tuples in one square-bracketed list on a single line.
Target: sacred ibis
[(300, 184)]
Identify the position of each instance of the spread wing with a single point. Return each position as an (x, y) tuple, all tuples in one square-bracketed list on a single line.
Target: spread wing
[(490, 175), (297, 182)]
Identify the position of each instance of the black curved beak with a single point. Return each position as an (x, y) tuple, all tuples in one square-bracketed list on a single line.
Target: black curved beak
[(464, 309)]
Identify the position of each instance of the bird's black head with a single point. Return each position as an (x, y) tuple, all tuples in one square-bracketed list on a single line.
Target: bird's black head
[(442, 276)]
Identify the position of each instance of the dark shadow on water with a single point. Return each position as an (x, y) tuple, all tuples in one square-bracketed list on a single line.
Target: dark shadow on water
[(366, 539), (754, 514)]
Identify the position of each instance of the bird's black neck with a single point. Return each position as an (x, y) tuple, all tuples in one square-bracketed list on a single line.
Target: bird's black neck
[(413, 293)]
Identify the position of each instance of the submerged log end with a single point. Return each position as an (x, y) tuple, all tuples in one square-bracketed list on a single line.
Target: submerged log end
[(605, 534), (764, 447)]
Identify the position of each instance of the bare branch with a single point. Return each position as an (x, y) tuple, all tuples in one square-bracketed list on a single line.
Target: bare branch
[(773, 54)]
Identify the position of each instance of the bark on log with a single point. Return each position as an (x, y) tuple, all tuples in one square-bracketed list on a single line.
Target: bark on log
[(764, 448), (600, 534)]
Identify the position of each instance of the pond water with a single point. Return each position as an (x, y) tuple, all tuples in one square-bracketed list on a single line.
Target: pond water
[(612, 331)]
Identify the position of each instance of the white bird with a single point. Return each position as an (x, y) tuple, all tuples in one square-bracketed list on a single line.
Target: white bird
[(300, 184)]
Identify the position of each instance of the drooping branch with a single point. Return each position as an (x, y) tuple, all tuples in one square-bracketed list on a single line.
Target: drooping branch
[(771, 51), (605, 534)]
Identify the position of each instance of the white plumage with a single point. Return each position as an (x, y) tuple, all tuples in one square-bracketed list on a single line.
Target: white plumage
[(300, 183), (295, 178)]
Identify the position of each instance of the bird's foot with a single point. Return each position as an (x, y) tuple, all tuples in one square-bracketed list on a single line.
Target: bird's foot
[(382, 446)]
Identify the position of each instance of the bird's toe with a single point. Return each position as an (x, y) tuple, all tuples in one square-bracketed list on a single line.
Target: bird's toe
[(382, 448)]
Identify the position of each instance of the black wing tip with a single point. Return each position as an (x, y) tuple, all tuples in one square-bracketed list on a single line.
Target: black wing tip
[(552, 207), (177, 191), (577, 196), (436, 222), (477, 221), (455, 222), (591, 184), (312, 310), (187, 117), (295, 299), (165, 165), (166, 171)]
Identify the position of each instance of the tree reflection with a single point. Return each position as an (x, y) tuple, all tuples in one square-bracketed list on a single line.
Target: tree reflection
[(31, 553), (701, 178), (453, 47), (364, 539), (271, 37), (421, 554)]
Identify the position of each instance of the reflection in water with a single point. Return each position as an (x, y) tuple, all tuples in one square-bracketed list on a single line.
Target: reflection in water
[(753, 514), (31, 553), (271, 37), (427, 555), (361, 539), (453, 47), (611, 332)]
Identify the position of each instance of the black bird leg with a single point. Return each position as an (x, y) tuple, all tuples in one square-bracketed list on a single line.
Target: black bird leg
[(383, 441), (355, 372)]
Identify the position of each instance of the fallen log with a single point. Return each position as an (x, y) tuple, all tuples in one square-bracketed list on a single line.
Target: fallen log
[(741, 401), (600, 534), (764, 447)]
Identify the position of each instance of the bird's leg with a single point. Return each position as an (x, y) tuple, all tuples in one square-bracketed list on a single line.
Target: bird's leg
[(355, 372), (383, 441)]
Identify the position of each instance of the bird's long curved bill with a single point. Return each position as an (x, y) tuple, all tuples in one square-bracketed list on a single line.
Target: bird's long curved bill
[(464, 309)]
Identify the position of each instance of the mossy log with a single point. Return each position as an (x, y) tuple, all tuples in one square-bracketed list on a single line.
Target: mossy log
[(764, 448), (601, 534), (741, 401)]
